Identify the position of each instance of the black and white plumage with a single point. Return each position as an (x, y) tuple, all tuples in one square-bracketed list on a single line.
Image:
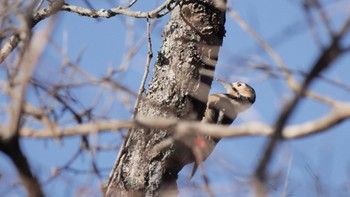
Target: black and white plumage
[(222, 109)]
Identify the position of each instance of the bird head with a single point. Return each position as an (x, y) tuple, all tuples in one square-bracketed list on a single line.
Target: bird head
[(241, 91)]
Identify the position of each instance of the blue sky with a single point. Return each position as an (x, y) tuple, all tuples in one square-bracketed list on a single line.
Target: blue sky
[(283, 24)]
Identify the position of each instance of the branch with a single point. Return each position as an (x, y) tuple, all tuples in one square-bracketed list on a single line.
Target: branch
[(329, 54), (292, 83), (156, 13), (325, 60), (275, 57), (81, 129), (339, 113), (136, 107), (12, 149), (60, 5), (42, 14), (9, 138), (145, 74)]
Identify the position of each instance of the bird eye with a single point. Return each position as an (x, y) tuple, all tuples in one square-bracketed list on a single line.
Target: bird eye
[(239, 84)]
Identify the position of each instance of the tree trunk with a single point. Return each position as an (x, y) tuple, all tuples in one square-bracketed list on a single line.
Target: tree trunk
[(179, 89)]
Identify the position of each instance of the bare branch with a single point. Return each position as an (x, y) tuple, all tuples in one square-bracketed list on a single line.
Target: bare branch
[(156, 13), (42, 14), (145, 74), (264, 44), (325, 60), (340, 113), (9, 138), (82, 129), (56, 6), (136, 107), (12, 149)]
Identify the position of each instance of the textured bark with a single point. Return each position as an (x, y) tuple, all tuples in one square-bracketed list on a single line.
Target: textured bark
[(179, 88)]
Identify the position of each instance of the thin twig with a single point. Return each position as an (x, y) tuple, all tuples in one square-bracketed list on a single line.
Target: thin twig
[(9, 141), (325, 60), (56, 6), (324, 17), (42, 14), (145, 74), (262, 42), (286, 181), (129, 4), (120, 156)]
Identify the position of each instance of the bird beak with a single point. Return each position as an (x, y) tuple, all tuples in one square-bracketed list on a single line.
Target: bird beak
[(225, 84)]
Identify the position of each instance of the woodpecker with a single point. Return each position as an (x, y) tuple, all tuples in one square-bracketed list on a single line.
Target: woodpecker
[(222, 109)]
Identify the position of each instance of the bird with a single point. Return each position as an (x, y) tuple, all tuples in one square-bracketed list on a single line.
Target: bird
[(222, 109)]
